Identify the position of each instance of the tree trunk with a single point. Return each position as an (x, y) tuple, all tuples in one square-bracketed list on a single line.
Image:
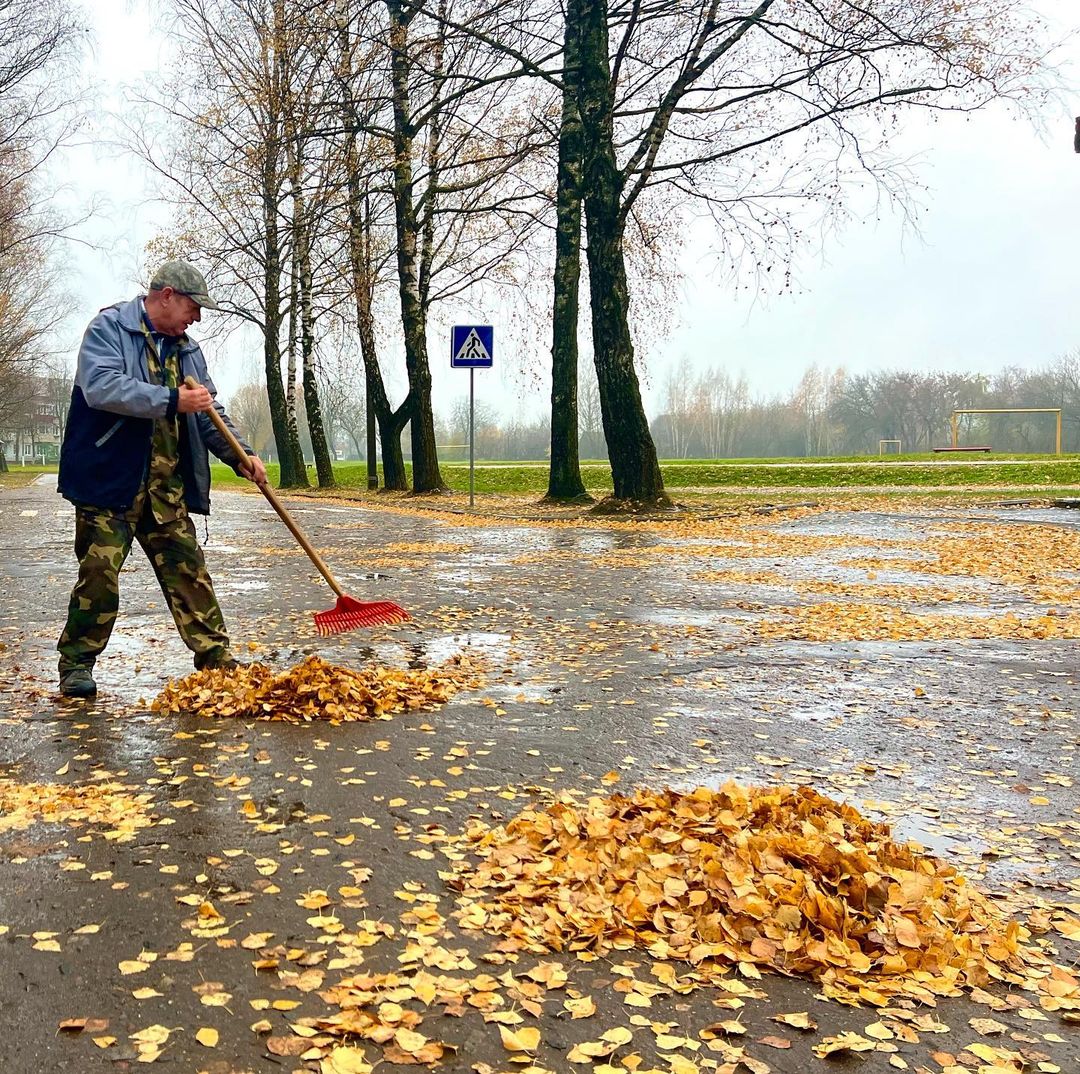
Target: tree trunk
[(293, 474), (433, 161), (324, 466), (634, 466), (282, 411), (390, 423), (290, 373), (425, 461), (564, 475)]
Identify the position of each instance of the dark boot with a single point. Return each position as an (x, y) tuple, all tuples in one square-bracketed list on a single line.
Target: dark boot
[(78, 682), (216, 661)]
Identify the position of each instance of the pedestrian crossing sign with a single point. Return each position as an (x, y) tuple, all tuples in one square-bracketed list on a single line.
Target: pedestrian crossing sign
[(472, 346)]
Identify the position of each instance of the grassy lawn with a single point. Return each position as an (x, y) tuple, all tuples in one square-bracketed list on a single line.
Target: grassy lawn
[(1038, 473), (16, 480), (20, 476), (1022, 475)]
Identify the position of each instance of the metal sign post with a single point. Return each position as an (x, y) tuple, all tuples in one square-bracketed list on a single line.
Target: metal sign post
[(472, 346), (472, 443)]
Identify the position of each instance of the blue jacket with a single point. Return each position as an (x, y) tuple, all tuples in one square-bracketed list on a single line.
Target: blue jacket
[(106, 450)]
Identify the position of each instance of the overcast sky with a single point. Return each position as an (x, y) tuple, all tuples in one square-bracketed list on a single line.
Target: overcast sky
[(989, 280)]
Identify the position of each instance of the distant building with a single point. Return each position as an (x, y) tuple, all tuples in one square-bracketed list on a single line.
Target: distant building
[(32, 433)]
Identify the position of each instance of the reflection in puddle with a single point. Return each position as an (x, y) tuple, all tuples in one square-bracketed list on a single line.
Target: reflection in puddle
[(911, 825)]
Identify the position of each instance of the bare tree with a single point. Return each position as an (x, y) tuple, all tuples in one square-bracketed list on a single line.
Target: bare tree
[(756, 109), (456, 136), (251, 411), (37, 114), (218, 138)]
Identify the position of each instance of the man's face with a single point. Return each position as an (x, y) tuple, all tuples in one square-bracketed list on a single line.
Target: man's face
[(177, 313)]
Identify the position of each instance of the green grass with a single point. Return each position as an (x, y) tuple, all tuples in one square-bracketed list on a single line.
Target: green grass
[(1038, 473), (871, 475), (884, 460), (16, 479), (1029, 474), (19, 476)]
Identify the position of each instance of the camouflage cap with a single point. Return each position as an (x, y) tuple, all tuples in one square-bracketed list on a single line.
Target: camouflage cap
[(186, 279)]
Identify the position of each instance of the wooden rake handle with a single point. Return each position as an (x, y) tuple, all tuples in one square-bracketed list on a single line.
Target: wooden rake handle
[(269, 493)]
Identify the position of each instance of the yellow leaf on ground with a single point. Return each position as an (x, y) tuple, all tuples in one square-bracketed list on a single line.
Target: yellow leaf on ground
[(345, 1061), (154, 1034), (409, 1041), (520, 1040), (843, 1042), (800, 1020)]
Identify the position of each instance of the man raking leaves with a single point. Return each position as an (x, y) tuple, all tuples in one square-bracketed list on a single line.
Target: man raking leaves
[(134, 462)]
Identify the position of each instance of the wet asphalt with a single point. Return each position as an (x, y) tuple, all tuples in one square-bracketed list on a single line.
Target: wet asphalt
[(594, 663)]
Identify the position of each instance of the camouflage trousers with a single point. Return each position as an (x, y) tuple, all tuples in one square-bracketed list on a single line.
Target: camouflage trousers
[(102, 543)]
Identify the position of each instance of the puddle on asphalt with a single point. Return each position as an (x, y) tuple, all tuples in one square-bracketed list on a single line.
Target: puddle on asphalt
[(864, 524), (819, 713), (467, 576), (439, 650), (429, 653), (974, 611), (682, 617), (913, 827), (1054, 516)]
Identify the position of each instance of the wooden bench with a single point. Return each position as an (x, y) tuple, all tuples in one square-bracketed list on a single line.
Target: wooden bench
[(939, 450)]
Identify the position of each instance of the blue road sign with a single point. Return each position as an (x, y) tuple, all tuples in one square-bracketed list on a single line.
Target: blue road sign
[(472, 346)]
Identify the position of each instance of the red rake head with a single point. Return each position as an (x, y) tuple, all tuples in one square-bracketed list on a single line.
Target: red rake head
[(349, 614)]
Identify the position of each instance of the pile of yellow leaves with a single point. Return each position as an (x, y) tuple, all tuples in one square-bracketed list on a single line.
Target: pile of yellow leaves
[(779, 878), (108, 804), (314, 690)]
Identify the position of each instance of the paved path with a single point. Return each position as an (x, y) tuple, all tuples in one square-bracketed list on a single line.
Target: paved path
[(597, 662)]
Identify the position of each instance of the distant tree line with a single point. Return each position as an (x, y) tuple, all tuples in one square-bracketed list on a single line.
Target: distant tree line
[(832, 412), (710, 414)]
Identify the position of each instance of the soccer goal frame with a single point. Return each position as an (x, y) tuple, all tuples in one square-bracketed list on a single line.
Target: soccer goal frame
[(881, 447), (1007, 410)]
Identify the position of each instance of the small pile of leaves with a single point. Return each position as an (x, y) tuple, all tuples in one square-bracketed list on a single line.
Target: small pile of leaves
[(314, 690), (371, 1010), (778, 878), (105, 804)]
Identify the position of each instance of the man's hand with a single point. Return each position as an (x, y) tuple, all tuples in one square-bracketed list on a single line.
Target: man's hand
[(254, 470), (192, 400)]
